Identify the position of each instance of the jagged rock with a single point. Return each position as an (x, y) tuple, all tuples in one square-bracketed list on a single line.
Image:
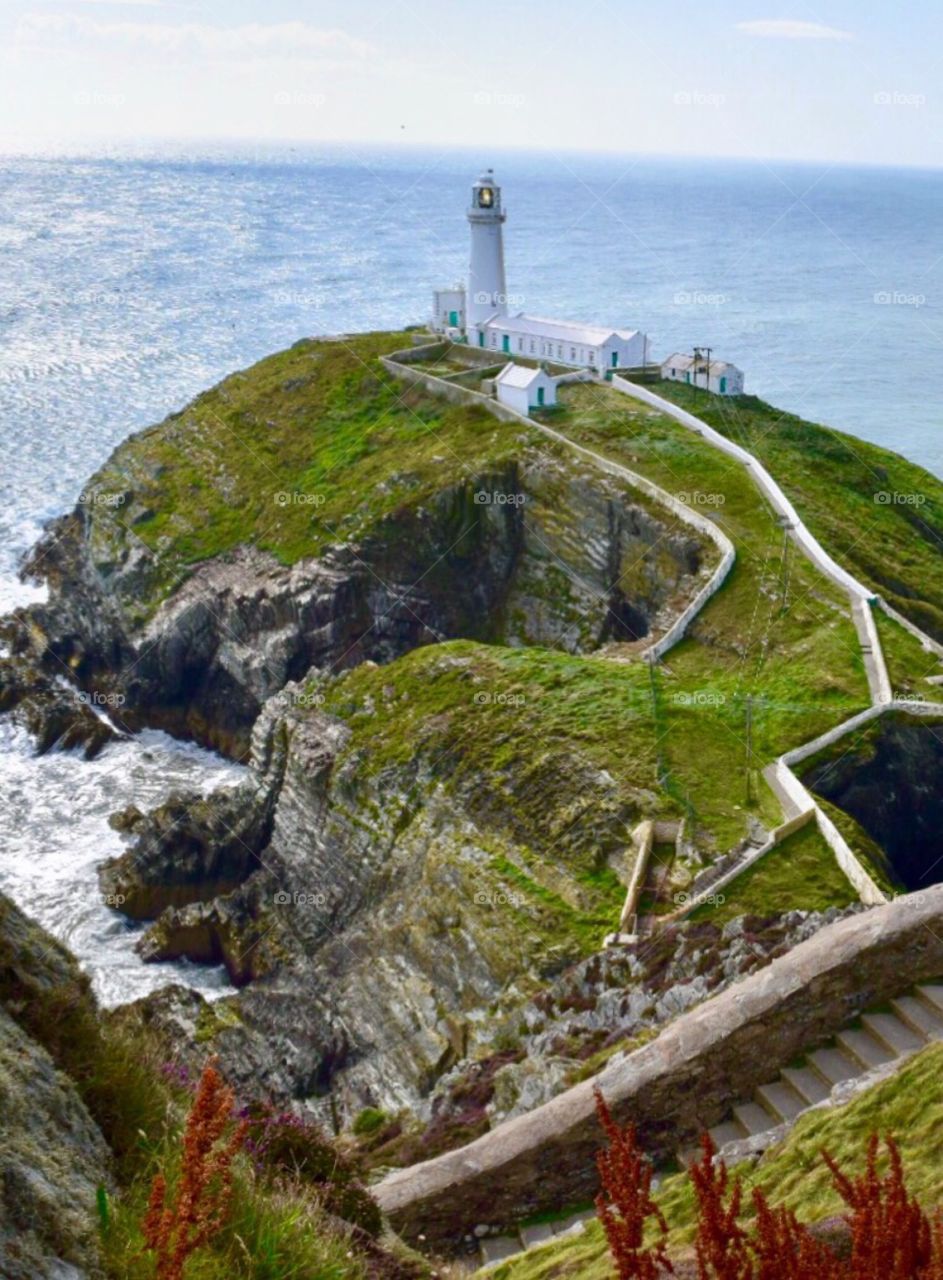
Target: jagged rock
[(579, 563), (52, 1160), (187, 850), (54, 712)]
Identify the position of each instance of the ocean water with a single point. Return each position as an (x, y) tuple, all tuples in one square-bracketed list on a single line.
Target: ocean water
[(130, 281)]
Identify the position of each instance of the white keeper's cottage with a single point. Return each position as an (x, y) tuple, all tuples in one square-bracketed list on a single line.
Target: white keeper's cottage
[(719, 376), (479, 315)]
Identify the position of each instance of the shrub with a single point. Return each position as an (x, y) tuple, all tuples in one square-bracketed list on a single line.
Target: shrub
[(891, 1235), (176, 1226), (281, 1142), (368, 1121), (625, 1204)]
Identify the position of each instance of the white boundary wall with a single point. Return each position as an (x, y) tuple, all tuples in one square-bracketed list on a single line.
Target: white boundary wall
[(862, 598), (778, 500)]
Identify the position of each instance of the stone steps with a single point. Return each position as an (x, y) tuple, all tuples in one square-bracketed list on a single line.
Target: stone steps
[(907, 1024), (494, 1249), (893, 1032)]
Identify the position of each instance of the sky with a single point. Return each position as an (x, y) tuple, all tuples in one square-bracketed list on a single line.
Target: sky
[(837, 82)]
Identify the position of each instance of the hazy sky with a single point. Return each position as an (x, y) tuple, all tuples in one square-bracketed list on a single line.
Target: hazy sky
[(844, 81)]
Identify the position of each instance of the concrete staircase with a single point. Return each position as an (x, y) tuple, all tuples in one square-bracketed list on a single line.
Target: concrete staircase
[(496, 1248), (906, 1024)]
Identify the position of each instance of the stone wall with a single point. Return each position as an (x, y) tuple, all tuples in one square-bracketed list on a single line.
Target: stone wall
[(680, 1083)]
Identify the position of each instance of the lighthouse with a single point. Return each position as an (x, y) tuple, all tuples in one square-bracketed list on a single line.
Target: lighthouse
[(487, 289), (478, 314)]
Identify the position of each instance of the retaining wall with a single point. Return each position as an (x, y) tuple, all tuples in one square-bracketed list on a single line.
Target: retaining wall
[(733, 873), (680, 1083)]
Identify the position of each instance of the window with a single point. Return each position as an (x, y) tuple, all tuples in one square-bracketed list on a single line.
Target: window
[(532, 346), (520, 344), (559, 350), (572, 353), (592, 357)]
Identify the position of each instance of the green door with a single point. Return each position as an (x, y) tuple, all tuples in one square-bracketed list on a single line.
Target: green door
[(505, 342), (615, 359), (481, 339), (540, 396), (723, 386), (453, 319)]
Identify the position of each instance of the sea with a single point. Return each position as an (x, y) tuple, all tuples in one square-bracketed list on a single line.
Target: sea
[(132, 277)]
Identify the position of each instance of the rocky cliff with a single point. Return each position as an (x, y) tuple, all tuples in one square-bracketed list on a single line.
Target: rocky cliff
[(224, 553), (53, 1157), (420, 626)]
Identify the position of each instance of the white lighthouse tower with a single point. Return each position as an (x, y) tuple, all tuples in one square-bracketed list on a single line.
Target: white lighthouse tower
[(487, 288)]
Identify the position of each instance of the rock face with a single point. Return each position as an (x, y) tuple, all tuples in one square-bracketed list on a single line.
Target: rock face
[(608, 1004), (52, 1155), (354, 895), (554, 556), (889, 781), (52, 1160), (372, 914)]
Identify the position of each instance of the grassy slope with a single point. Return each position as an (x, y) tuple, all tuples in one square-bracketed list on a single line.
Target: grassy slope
[(841, 486), (794, 654), (908, 1105), (517, 732), (908, 663), (308, 448), (799, 874), (324, 421)]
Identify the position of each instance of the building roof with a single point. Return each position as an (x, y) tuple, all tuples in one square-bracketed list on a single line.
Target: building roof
[(682, 361), (519, 375), (561, 330)]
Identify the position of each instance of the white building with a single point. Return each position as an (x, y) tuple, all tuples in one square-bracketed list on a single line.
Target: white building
[(522, 388), (448, 308), (719, 376), (587, 346), (480, 314)]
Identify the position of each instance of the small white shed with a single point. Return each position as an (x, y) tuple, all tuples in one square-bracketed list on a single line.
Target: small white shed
[(522, 388)]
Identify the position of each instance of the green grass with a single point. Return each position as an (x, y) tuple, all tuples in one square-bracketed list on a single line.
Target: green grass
[(909, 1105), (778, 637), (868, 852), (799, 874), (908, 663), (308, 448), (520, 738), (840, 486), (772, 660)]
